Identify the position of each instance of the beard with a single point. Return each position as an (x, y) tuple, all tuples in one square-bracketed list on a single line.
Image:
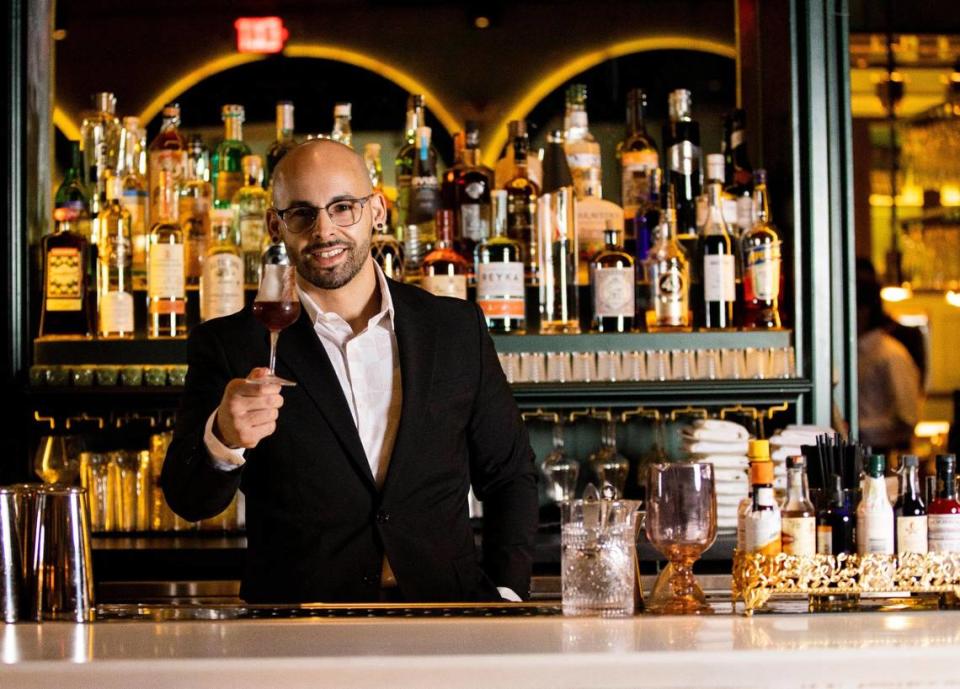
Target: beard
[(338, 275)]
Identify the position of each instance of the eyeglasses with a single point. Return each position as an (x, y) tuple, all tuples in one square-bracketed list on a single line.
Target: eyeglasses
[(342, 213)]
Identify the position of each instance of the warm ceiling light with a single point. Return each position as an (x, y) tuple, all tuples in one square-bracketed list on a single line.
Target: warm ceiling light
[(953, 298), (896, 293), (481, 22), (931, 429)]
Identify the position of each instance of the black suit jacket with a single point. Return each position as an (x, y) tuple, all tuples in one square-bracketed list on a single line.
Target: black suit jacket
[(317, 526)]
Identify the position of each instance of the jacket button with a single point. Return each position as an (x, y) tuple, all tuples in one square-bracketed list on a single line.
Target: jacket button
[(383, 517)]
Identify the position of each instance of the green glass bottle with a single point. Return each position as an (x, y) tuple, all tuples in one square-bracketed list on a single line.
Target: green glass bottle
[(227, 162)]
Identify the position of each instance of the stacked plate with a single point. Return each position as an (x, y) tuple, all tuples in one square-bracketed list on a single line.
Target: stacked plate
[(723, 444)]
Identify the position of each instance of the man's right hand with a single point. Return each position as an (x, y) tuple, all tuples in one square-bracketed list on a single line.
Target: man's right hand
[(248, 412)]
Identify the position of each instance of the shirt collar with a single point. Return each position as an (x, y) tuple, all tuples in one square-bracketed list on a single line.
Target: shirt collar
[(316, 314)]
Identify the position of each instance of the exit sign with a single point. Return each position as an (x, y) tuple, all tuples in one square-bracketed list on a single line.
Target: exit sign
[(260, 34)]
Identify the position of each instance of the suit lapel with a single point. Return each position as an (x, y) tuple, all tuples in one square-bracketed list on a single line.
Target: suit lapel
[(304, 359), (416, 342)]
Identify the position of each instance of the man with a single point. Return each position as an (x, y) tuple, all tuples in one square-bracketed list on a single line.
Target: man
[(356, 478)]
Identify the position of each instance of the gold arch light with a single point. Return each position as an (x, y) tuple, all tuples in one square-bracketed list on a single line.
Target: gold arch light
[(319, 51), (548, 82), (65, 124)]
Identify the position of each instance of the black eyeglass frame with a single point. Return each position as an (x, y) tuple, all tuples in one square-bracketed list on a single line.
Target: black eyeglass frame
[(326, 209)]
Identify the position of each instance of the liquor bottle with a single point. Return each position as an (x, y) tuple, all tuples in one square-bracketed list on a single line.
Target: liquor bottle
[(910, 511), (757, 451), (799, 517), (228, 159), (836, 525), (251, 202), (341, 124), (135, 196), (875, 523), (594, 216), (607, 464), (762, 528), (669, 276), (66, 308), (387, 252), (100, 143), (421, 233), (166, 273), (71, 203), (717, 257), (444, 271), (639, 164), (194, 204), (168, 162), (738, 174), (371, 159), (221, 285), (583, 151), (448, 184), (943, 515), (522, 209), (505, 169), (406, 158), (557, 239), (284, 142), (472, 197), (613, 280), (498, 265), (681, 170), (115, 263), (760, 247)]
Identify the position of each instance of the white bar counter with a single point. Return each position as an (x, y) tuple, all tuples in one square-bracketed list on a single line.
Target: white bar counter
[(864, 650)]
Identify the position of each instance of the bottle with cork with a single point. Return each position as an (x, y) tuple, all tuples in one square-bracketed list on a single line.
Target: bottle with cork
[(762, 528)]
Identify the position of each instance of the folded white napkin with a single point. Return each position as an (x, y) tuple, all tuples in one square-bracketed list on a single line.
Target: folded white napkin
[(715, 429), (781, 453), (719, 461), (702, 447)]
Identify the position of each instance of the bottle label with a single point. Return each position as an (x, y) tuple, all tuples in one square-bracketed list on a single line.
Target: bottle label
[(64, 288), (474, 221), (614, 292), (728, 209), (500, 289), (875, 532), (719, 278), (166, 173), (165, 275), (799, 535), (684, 158), (222, 285), (744, 216), (251, 232), (824, 539), (761, 273), (445, 285), (638, 175), (228, 184), (424, 199), (912, 534), (668, 285), (115, 250), (593, 217), (116, 313), (762, 532), (943, 531)]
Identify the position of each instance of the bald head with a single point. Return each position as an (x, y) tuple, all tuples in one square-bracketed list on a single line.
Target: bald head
[(317, 171)]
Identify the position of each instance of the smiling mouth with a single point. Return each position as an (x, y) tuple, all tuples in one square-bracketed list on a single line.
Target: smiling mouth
[(329, 253)]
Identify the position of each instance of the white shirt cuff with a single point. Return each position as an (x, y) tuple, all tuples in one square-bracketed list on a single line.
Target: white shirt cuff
[(221, 456), (508, 595)]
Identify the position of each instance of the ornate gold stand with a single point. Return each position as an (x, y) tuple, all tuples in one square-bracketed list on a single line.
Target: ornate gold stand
[(757, 578)]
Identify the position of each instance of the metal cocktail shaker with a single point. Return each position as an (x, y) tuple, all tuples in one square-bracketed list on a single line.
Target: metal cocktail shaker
[(61, 556), (11, 567), (25, 497)]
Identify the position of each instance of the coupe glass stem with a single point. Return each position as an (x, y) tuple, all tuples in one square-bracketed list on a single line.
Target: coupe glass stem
[(274, 335)]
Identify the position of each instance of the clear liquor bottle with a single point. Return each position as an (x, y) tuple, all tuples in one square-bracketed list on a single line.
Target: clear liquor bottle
[(115, 263), (639, 163), (100, 143), (522, 209), (760, 249), (251, 202), (342, 133), (717, 258), (498, 263), (424, 199), (472, 194), (221, 285), (739, 174), (227, 161), (909, 511), (943, 515), (613, 280), (669, 276), (67, 309), (557, 240), (799, 517), (387, 252), (681, 169), (166, 273), (582, 149), (875, 524), (194, 205), (134, 196), (284, 142), (168, 162), (71, 203), (444, 271)]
